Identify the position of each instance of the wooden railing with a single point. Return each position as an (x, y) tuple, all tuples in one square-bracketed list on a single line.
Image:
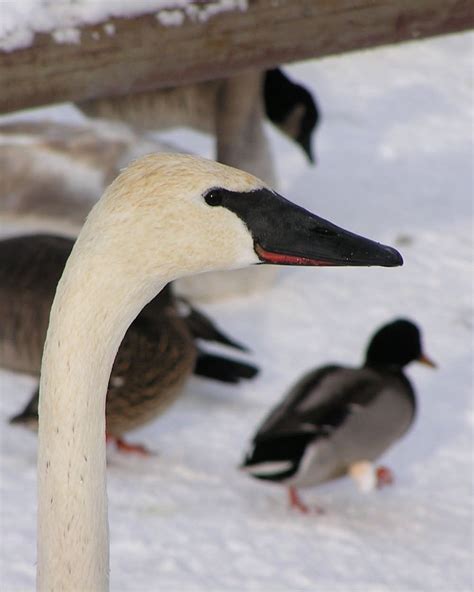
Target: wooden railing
[(143, 53)]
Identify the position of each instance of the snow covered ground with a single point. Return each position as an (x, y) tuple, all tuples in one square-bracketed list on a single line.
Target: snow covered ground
[(395, 163), (21, 21)]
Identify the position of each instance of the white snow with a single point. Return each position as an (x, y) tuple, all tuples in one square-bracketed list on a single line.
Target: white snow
[(21, 20), (171, 18), (109, 28), (395, 163), (68, 35)]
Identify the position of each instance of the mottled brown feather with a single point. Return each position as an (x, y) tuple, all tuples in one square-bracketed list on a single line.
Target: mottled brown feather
[(154, 361)]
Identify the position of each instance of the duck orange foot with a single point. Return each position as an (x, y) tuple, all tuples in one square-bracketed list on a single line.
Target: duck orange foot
[(384, 477), (127, 448), (297, 503)]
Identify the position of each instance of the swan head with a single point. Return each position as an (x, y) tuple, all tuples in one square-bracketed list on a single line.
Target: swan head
[(189, 215)]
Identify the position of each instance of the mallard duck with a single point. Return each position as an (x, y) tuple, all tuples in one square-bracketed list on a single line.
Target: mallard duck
[(165, 216), (337, 420), (158, 354)]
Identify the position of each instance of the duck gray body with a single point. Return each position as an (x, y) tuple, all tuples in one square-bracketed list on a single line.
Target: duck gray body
[(336, 418), (157, 356)]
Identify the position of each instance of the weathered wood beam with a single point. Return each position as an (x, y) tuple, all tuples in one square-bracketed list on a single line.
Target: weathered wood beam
[(144, 54)]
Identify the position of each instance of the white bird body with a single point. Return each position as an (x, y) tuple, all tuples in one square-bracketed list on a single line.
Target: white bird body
[(165, 216), (85, 332)]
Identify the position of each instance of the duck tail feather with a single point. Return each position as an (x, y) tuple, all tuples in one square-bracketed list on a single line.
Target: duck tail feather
[(224, 369)]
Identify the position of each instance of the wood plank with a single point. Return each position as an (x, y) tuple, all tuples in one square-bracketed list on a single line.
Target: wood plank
[(144, 54)]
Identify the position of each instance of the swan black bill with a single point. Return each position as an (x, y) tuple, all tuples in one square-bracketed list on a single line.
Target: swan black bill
[(287, 234)]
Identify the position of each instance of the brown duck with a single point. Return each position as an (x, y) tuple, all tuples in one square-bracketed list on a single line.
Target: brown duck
[(157, 356)]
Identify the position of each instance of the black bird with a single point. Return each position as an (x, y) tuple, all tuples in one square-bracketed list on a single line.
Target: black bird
[(292, 108), (338, 420)]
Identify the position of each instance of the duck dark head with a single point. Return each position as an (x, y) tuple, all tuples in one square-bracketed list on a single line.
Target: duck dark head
[(291, 108), (286, 234), (396, 344)]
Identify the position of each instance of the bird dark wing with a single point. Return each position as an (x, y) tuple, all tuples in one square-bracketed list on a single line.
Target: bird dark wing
[(197, 325), (29, 415), (278, 458), (223, 368), (320, 402), (202, 327)]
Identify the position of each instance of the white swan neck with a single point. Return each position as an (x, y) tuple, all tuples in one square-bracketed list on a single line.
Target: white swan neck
[(151, 226), (83, 338)]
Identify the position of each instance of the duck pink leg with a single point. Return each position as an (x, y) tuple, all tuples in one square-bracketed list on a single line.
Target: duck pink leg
[(127, 448), (384, 476), (295, 501)]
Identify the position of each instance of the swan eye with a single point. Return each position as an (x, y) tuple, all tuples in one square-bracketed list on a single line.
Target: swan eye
[(214, 197)]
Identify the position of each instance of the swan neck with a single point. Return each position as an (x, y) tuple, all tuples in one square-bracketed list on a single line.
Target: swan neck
[(91, 312)]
